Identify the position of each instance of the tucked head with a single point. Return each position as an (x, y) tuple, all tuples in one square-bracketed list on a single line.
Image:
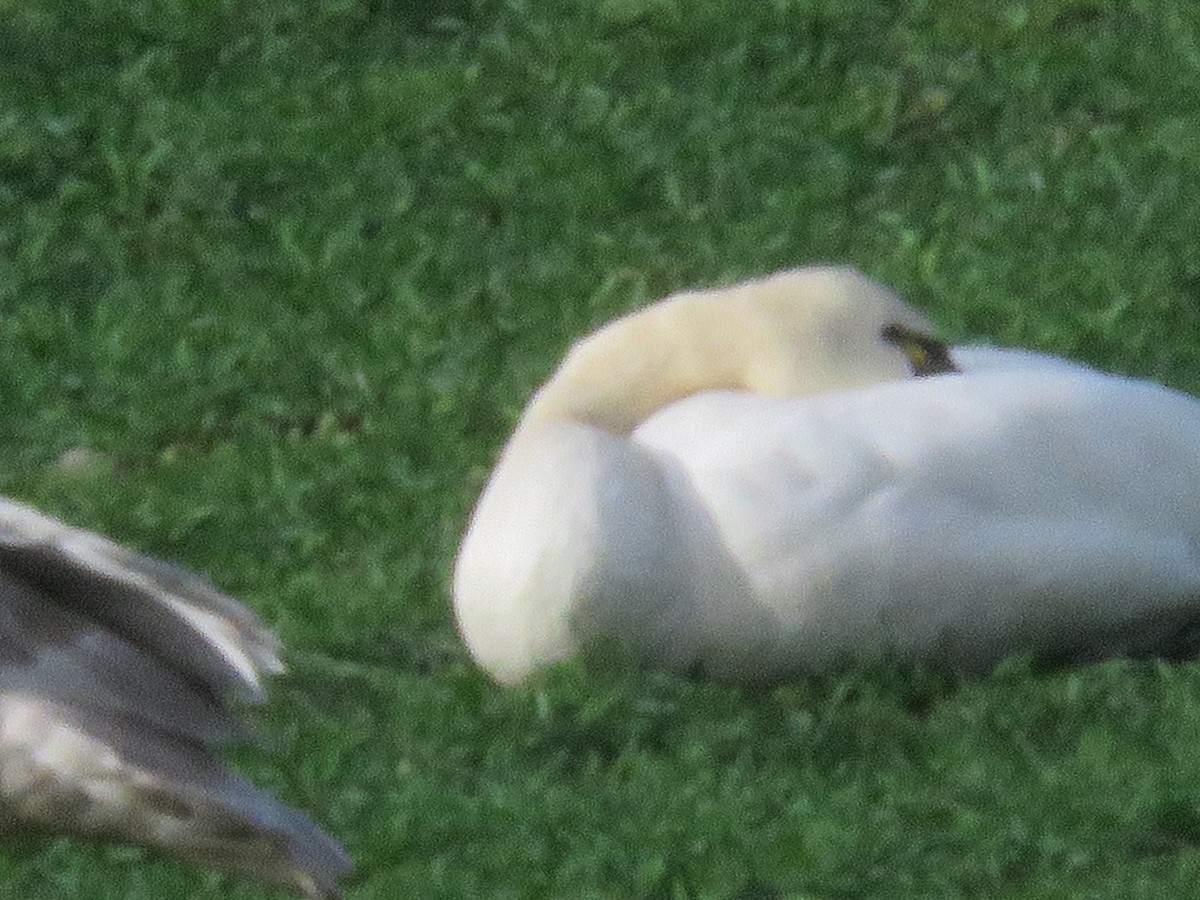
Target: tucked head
[(926, 354), (796, 333)]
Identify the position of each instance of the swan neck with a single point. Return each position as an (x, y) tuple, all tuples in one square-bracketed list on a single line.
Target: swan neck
[(795, 334)]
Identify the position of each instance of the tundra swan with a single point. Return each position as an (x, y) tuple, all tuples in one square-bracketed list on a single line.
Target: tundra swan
[(116, 673), (753, 481)]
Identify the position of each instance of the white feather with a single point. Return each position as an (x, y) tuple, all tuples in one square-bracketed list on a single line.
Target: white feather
[(760, 523)]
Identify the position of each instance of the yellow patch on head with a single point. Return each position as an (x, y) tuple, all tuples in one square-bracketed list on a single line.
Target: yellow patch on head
[(926, 354)]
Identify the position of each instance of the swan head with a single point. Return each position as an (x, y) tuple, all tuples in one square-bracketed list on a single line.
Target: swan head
[(926, 354), (792, 334)]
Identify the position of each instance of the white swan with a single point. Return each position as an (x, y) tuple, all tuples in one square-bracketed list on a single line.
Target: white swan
[(116, 673), (754, 482)]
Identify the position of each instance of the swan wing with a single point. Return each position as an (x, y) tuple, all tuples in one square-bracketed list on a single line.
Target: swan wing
[(169, 612), (1027, 507), (116, 676)]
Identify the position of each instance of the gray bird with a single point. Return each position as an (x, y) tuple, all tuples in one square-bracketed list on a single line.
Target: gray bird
[(118, 675)]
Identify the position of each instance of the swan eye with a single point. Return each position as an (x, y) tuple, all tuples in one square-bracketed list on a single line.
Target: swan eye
[(926, 354)]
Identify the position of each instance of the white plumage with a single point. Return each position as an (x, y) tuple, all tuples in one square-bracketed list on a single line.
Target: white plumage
[(116, 676), (752, 481)]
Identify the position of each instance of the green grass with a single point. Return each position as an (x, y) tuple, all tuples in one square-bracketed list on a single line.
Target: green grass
[(289, 271)]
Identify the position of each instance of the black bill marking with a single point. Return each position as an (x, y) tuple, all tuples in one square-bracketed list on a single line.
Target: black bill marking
[(926, 355)]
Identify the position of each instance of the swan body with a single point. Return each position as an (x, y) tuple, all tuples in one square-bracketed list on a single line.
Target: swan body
[(117, 674), (778, 518)]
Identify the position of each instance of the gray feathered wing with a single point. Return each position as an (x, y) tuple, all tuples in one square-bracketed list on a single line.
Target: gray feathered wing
[(116, 678)]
